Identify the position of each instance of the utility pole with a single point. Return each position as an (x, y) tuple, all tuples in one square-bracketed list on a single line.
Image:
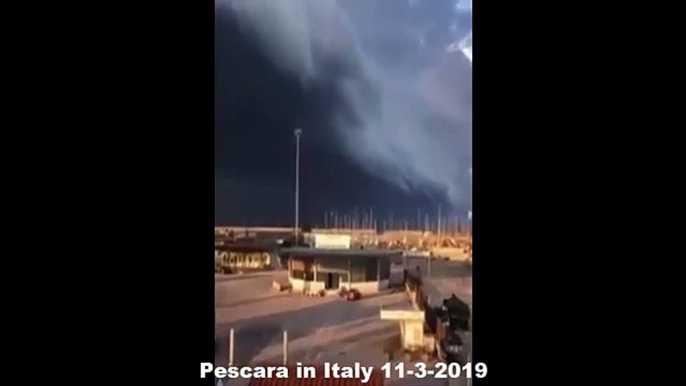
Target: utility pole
[(298, 132), (438, 222)]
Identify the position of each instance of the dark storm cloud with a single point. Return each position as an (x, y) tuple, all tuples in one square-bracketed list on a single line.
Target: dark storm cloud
[(373, 82)]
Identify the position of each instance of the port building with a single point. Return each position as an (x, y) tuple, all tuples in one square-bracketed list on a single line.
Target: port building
[(311, 270)]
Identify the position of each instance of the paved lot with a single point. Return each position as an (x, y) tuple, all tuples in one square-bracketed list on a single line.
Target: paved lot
[(320, 330)]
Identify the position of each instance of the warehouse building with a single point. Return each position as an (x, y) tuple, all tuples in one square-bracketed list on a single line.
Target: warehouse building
[(311, 270)]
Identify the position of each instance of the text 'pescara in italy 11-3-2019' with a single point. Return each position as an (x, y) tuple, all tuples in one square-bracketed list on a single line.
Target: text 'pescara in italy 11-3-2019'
[(356, 371)]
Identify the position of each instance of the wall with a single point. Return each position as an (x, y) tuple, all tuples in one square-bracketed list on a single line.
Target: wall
[(412, 334), (305, 286), (368, 288)]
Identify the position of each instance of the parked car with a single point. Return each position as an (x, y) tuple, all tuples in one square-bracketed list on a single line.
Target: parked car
[(353, 295)]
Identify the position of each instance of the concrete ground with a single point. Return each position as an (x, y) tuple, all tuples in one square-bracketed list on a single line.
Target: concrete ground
[(320, 330)]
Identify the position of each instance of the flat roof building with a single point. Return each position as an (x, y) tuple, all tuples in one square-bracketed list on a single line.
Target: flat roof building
[(311, 270)]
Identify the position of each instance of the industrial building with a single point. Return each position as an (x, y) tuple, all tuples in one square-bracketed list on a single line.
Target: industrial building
[(311, 270), (251, 255)]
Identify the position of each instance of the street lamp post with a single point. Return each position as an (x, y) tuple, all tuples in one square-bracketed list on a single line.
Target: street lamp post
[(297, 133)]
